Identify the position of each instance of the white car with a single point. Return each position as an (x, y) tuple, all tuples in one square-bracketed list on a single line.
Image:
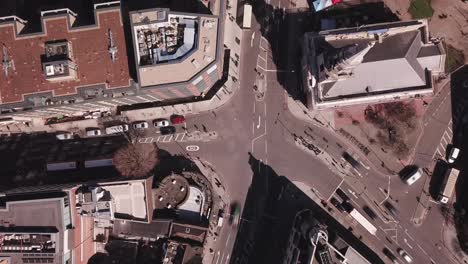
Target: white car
[(117, 129), (405, 255), (453, 155), (413, 176), (161, 123), (93, 132), (140, 125), (64, 136)]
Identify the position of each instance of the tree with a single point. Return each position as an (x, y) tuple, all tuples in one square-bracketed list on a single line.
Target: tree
[(136, 159)]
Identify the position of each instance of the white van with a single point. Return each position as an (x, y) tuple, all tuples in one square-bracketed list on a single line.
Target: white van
[(413, 176), (116, 129), (453, 155)]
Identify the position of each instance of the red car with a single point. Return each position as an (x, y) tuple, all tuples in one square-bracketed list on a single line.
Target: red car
[(177, 119)]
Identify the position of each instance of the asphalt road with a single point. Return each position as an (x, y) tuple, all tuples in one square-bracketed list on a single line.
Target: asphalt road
[(264, 128)]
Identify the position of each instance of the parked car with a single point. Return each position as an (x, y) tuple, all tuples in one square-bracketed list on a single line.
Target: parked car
[(116, 129), (405, 255), (453, 154), (140, 125), (369, 212), (92, 132), (347, 206), (413, 176), (64, 135), (160, 122), (342, 195), (391, 209), (177, 119), (167, 130), (337, 204), (390, 255)]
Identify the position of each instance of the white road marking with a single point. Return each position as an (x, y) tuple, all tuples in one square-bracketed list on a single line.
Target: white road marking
[(367, 167), (338, 186), (406, 232), (259, 122), (192, 148), (406, 242), (358, 173), (443, 139), (422, 249), (353, 193), (252, 39)]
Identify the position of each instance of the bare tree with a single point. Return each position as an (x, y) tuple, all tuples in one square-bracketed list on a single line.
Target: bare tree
[(136, 159)]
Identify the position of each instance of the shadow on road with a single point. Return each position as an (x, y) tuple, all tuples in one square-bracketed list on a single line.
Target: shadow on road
[(271, 206), (437, 178), (459, 98), (283, 29)]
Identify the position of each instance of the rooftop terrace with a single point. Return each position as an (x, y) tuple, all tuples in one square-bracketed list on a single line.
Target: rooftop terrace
[(172, 47)]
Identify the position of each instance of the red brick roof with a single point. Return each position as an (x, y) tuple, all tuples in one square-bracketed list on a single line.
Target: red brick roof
[(89, 48)]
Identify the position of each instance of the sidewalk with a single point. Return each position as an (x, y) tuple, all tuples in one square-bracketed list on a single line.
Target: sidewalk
[(220, 201)]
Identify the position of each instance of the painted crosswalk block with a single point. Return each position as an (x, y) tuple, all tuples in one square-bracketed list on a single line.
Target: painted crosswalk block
[(444, 141), (179, 137)]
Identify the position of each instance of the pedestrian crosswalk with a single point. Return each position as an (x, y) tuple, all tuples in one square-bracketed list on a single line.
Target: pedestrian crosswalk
[(444, 141), (180, 137)]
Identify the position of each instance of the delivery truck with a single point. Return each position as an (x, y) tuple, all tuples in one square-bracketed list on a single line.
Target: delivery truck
[(448, 185)]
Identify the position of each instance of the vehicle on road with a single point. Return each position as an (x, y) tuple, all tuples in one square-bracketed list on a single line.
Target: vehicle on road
[(234, 213), (448, 185), (390, 255), (116, 129), (177, 119), (64, 135), (220, 217), (363, 221), (453, 154), (369, 212), (405, 255), (337, 204), (391, 209), (351, 160), (167, 130), (93, 132), (342, 195), (161, 122), (140, 125), (247, 18), (413, 176)]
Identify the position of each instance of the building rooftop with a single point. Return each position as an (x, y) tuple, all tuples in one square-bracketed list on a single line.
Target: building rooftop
[(31, 226), (36, 67), (372, 60), (119, 200), (154, 229), (172, 47)]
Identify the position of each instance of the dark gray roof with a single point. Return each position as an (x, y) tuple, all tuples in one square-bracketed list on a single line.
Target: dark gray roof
[(152, 230), (392, 47), (429, 51)]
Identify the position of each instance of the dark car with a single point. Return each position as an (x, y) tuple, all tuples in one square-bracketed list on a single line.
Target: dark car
[(337, 204), (167, 130), (390, 255), (347, 206), (369, 212), (342, 195), (391, 209), (351, 160)]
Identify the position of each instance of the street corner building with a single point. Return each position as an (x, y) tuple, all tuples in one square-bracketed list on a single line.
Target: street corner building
[(72, 69), (370, 64)]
